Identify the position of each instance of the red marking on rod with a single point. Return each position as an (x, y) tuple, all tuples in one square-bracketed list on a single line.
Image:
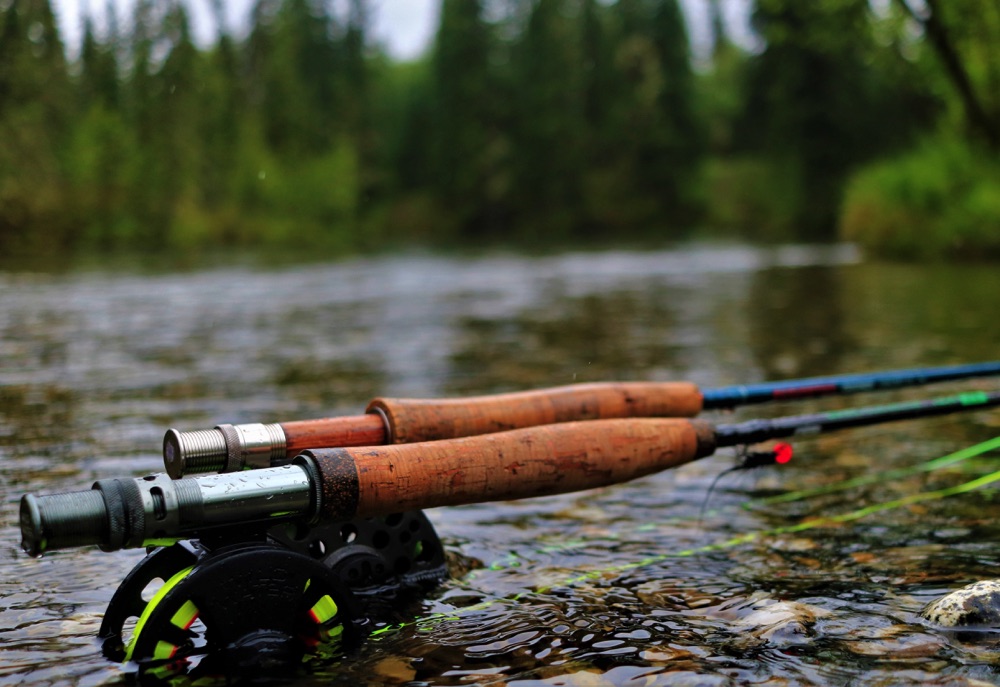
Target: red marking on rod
[(799, 391), (782, 453)]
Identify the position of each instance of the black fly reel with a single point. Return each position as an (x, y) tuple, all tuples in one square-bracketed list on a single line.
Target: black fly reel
[(254, 600)]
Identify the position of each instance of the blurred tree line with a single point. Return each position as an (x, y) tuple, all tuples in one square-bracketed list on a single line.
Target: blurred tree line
[(528, 121)]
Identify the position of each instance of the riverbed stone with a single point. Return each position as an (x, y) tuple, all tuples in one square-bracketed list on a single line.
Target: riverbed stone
[(780, 623), (898, 641), (974, 606)]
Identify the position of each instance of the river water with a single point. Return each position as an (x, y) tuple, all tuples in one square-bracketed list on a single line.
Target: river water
[(646, 583)]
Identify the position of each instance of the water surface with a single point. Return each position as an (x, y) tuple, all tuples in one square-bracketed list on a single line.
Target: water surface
[(630, 585)]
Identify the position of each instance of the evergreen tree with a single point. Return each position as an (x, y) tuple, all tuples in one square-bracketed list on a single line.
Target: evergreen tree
[(293, 58), (99, 81), (597, 76), (670, 168), (814, 106), (101, 144), (178, 108), (601, 199), (719, 89), (355, 68), (356, 96), (466, 147), (556, 118), (148, 215), (34, 117), (656, 143), (408, 149), (224, 126), (548, 127)]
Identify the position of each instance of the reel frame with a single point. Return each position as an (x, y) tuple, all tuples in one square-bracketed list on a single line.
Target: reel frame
[(255, 599)]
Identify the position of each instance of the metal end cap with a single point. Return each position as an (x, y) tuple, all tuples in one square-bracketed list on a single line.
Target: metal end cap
[(173, 460), (193, 452), (32, 538)]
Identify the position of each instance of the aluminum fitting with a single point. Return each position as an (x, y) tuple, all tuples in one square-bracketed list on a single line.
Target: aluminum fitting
[(226, 448)]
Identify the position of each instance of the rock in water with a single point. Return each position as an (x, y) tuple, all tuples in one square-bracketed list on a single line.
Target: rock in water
[(780, 623), (761, 619), (975, 606)]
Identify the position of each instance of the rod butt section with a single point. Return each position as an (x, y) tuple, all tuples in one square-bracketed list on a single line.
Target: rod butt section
[(62, 520)]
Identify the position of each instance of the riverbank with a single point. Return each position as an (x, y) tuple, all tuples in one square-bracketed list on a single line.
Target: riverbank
[(939, 202)]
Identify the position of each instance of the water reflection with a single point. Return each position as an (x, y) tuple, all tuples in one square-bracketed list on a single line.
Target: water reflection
[(587, 589), (570, 339), (797, 321)]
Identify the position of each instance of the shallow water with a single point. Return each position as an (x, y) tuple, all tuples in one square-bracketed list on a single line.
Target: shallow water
[(640, 584)]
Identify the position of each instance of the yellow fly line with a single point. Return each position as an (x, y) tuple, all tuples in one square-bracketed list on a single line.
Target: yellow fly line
[(183, 618)]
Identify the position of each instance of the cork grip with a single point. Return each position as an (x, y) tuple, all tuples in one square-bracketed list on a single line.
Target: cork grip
[(536, 461), (412, 420)]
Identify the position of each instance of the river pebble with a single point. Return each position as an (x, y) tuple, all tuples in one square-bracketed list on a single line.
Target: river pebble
[(974, 606)]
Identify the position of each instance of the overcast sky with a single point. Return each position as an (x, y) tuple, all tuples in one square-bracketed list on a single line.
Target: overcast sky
[(404, 27)]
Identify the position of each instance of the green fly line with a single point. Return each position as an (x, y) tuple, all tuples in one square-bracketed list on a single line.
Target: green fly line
[(899, 473), (426, 623)]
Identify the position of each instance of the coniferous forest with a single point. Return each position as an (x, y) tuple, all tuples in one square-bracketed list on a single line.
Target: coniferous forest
[(527, 122)]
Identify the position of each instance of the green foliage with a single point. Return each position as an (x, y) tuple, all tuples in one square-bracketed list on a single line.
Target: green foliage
[(816, 106), (547, 133), (532, 121), (35, 101), (466, 143), (942, 199), (97, 171), (304, 200), (753, 198), (962, 36)]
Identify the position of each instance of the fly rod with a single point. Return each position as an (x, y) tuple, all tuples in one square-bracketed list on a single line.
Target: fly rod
[(330, 484), (230, 448)]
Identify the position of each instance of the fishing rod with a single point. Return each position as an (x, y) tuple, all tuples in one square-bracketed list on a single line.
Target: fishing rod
[(230, 448), (352, 482), (266, 557)]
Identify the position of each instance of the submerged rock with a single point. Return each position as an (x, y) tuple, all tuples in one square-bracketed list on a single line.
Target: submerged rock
[(974, 606), (761, 619), (898, 641), (781, 623)]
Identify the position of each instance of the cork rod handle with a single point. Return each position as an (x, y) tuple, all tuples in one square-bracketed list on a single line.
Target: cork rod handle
[(409, 420), (536, 461), (413, 420)]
